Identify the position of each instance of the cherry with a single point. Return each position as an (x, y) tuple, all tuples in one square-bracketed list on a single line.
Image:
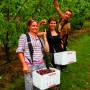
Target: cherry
[(45, 71)]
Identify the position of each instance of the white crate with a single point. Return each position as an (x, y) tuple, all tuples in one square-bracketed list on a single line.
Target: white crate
[(65, 57), (47, 80)]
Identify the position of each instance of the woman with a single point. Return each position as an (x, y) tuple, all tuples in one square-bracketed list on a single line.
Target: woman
[(54, 40), (25, 56)]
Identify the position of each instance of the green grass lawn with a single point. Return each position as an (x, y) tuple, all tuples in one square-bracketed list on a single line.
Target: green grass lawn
[(77, 75)]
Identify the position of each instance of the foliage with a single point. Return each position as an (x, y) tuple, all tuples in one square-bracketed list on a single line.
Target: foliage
[(81, 12), (15, 13)]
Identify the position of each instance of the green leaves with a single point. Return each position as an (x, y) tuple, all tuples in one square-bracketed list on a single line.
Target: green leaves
[(15, 13)]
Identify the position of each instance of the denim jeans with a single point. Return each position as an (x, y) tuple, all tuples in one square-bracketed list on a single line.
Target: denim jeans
[(28, 77)]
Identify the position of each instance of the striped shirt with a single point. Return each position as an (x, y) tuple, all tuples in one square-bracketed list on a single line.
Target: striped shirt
[(23, 47)]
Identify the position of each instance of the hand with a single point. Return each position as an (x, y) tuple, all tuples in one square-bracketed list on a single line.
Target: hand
[(43, 22), (26, 68)]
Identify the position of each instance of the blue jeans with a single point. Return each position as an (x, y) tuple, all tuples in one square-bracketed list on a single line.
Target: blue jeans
[(28, 77)]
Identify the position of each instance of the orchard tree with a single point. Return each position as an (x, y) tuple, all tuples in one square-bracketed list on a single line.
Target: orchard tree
[(15, 13)]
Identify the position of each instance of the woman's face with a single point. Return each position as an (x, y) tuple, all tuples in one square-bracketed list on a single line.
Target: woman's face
[(67, 15), (52, 25), (34, 27)]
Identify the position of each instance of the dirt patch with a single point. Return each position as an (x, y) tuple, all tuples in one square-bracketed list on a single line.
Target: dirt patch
[(9, 71)]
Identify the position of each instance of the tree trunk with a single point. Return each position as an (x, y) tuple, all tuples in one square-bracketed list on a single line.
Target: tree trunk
[(7, 54), (6, 41)]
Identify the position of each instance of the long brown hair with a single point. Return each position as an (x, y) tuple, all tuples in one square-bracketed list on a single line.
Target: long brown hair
[(29, 23), (51, 19)]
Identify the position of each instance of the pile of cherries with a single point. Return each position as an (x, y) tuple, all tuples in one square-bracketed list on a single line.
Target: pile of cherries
[(45, 71)]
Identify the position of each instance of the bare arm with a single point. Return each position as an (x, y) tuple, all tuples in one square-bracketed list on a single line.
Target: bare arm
[(56, 5), (24, 64), (46, 45), (19, 51), (41, 33), (21, 58)]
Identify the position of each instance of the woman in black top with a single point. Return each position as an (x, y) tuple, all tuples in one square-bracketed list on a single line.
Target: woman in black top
[(54, 40)]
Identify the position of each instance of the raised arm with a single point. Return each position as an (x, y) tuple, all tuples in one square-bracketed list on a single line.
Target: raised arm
[(46, 45), (44, 36), (56, 5)]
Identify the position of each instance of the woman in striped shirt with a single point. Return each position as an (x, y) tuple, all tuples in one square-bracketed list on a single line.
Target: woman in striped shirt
[(24, 55)]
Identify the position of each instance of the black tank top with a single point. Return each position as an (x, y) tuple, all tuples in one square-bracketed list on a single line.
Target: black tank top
[(54, 42)]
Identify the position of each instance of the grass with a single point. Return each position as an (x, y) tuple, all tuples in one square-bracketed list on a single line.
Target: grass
[(77, 75), (18, 84)]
